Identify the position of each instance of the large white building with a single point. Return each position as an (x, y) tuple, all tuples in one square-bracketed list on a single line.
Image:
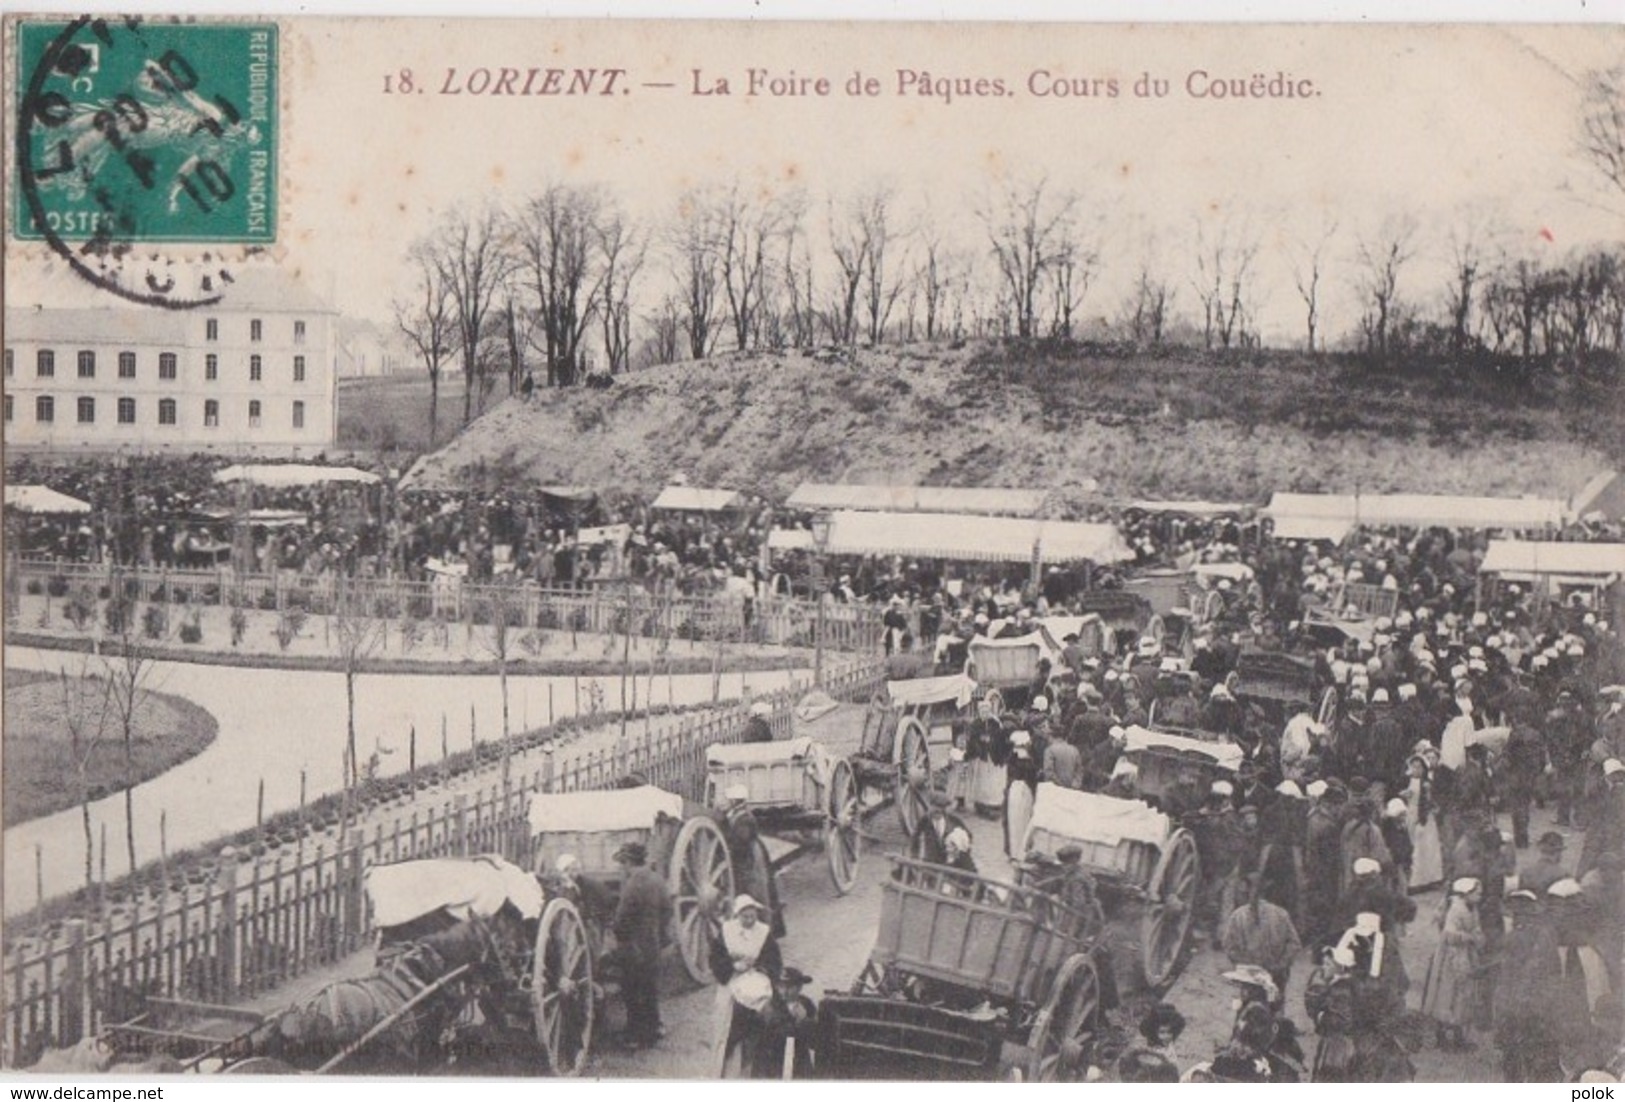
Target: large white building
[(254, 373)]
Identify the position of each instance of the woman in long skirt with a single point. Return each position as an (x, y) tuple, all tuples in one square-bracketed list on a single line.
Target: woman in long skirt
[(1450, 994), (991, 748), (1018, 797), (1422, 821)]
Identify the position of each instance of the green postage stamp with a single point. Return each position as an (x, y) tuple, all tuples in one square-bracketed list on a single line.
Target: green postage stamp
[(132, 131)]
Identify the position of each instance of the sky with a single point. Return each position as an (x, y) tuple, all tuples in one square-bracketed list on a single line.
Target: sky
[(1450, 125)]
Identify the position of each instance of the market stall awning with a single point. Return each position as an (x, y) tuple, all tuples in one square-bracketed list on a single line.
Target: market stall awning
[(1419, 510), (1314, 529), (978, 501), (1191, 508), (973, 538), (790, 539), (1531, 558), (616, 534), (284, 475), (693, 499), (43, 499)]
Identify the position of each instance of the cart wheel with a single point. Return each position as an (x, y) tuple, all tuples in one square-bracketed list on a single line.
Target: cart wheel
[(843, 838), (561, 990), (700, 876), (995, 701), (1170, 904), (1328, 708), (913, 774), (1063, 1036)]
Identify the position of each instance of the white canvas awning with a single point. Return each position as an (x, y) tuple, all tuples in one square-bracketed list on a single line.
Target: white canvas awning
[(1191, 508), (1313, 529), (590, 812), (790, 539), (954, 687), (1419, 510), (43, 499), (977, 501), (1532, 558), (975, 539), (463, 885), (1066, 813), (283, 475), (693, 499)]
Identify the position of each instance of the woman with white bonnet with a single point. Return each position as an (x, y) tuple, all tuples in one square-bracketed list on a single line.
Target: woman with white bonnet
[(745, 960), (1422, 823), (1022, 770), (1451, 993)]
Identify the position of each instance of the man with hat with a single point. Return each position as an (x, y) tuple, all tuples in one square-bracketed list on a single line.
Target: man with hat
[(930, 840), (1323, 859), (1547, 868), (1605, 828), (642, 920), (1260, 933), (1528, 994)]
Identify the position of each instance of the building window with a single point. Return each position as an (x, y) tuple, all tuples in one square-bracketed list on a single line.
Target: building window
[(211, 367), (254, 329), (87, 365), (211, 329), (299, 415), (8, 407), (254, 414), (11, 366), (166, 411), (45, 409), (211, 414), (256, 369), (126, 411), (298, 332), (87, 411), (298, 369), (46, 363), (126, 365), (166, 366)]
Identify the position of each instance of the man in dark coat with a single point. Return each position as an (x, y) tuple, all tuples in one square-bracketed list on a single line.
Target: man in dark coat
[(1528, 995), (641, 923), (930, 840)]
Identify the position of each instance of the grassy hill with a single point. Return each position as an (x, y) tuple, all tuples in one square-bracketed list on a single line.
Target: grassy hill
[(1046, 415)]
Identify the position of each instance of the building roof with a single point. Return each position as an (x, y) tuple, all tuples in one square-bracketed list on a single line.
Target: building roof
[(108, 325), (269, 290), (1420, 510), (1531, 558), (693, 499)]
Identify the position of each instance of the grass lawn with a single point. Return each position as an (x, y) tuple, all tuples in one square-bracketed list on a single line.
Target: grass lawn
[(40, 775)]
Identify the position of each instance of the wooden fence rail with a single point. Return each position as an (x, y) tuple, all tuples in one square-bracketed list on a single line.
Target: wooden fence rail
[(257, 918)]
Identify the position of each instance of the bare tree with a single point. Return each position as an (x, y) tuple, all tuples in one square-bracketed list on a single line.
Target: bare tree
[(1224, 261), (127, 671), (746, 228), (694, 244), (1470, 241), (801, 312), (1151, 299), (359, 635), (1028, 227), (1602, 123), (936, 271), (1308, 268), (559, 235), (428, 320), (86, 714), (621, 250), (473, 260), (1382, 254), (507, 607), (1076, 260), (665, 331), (886, 254), (849, 246)]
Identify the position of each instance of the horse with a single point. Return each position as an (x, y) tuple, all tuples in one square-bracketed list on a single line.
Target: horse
[(341, 1015)]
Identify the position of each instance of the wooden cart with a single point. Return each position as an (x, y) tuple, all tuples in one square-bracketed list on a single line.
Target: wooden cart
[(963, 969), (690, 852), (798, 789), (1284, 683), (906, 734), (201, 1037)]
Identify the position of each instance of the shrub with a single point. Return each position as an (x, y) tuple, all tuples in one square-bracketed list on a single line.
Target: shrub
[(239, 625), (266, 601), (56, 585), (154, 622), (533, 643), (548, 618), (116, 616), (33, 588), (80, 609), (192, 630), (386, 607), (288, 626), (411, 630), (179, 596)]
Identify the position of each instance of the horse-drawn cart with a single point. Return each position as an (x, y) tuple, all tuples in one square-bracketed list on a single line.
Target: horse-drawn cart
[(196, 1036), (963, 967), (906, 736), (691, 853), (1282, 682)]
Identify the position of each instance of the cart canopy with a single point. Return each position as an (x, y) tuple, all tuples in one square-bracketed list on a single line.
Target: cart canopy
[(1227, 754), (1313, 529), (967, 538), (465, 886), (978, 501), (1191, 508), (956, 688), (754, 753), (694, 499), (1089, 816), (622, 809), (1009, 661), (1232, 571)]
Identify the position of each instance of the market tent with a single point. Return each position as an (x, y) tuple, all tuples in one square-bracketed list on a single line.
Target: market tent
[(693, 499), (1313, 529), (1191, 508), (254, 518), (790, 539), (43, 499), (1530, 558), (979, 501), (616, 534), (1419, 510), (972, 538), (283, 475)]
